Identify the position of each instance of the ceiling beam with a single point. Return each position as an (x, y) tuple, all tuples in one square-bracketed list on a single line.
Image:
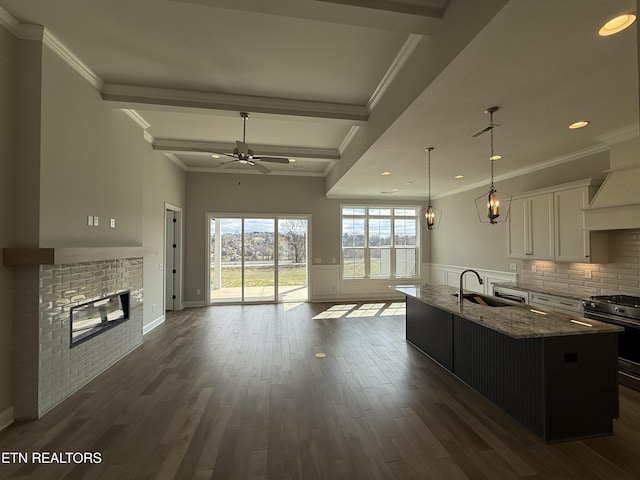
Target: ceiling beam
[(393, 6), (177, 145), (343, 13), (133, 96)]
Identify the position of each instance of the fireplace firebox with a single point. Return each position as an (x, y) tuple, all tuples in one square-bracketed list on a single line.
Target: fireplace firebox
[(94, 317)]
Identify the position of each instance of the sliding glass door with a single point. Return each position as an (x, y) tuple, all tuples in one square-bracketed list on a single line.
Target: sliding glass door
[(257, 259)]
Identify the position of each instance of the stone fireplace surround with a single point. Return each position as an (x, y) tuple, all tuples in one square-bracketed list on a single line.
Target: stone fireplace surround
[(47, 283)]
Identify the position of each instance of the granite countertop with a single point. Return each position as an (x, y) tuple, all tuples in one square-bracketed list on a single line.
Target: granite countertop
[(517, 321), (557, 292)]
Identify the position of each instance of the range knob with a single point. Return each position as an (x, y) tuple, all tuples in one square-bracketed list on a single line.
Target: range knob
[(619, 309)]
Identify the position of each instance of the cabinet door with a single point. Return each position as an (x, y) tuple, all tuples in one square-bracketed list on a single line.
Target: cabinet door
[(571, 239), (541, 227), (518, 229)]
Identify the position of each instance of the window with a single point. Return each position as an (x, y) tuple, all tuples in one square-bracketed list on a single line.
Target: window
[(380, 242)]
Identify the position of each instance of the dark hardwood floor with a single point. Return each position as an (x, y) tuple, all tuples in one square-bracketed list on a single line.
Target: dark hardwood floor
[(236, 392)]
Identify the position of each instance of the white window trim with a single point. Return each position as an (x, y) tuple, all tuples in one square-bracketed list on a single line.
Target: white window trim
[(393, 248)]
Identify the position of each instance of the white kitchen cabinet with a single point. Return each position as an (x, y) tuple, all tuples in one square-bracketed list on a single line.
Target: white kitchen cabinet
[(572, 242), (548, 224), (531, 227)]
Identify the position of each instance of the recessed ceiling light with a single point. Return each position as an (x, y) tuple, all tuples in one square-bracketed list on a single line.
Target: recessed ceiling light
[(395, 189), (385, 173), (580, 124), (459, 176), (617, 24), (408, 183), (495, 157), (215, 156)]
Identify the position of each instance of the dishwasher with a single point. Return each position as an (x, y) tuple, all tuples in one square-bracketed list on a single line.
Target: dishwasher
[(512, 294)]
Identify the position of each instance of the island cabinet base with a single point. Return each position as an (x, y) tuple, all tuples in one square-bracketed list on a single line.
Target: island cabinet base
[(559, 387)]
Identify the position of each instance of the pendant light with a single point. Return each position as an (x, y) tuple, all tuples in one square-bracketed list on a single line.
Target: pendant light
[(432, 215), (493, 207)]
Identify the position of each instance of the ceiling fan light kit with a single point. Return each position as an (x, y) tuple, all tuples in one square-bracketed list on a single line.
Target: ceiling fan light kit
[(492, 207)]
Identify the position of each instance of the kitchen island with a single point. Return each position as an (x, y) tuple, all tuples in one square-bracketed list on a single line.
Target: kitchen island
[(554, 373)]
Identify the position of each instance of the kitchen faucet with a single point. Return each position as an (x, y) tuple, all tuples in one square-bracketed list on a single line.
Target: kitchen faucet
[(460, 294)]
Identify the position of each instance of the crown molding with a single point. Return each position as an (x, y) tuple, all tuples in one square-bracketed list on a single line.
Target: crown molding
[(60, 49), (177, 161), (620, 135), (176, 145), (9, 22), (128, 96), (136, 117), (401, 58), (347, 139), (533, 168), (28, 31)]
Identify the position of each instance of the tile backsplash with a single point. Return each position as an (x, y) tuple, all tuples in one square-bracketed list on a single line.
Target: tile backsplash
[(620, 276)]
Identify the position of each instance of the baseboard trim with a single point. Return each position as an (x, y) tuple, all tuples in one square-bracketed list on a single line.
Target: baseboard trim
[(6, 418), (153, 324), (194, 304)]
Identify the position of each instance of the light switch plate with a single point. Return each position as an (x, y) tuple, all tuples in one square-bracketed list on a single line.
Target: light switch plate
[(587, 274), (112, 223), (513, 267), (90, 220)]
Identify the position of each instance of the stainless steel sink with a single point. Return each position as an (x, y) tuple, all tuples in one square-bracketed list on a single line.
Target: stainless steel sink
[(484, 300)]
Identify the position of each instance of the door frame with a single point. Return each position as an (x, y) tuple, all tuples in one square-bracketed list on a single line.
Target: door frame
[(276, 217), (179, 259)]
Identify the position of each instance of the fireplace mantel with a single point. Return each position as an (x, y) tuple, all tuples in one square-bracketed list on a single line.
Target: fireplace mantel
[(67, 255)]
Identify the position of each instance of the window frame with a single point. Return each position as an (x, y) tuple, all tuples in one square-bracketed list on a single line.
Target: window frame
[(353, 211)]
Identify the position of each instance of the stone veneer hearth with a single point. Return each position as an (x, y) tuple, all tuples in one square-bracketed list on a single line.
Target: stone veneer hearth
[(45, 369)]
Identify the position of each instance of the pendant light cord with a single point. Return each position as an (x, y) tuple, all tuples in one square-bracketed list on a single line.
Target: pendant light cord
[(491, 156)]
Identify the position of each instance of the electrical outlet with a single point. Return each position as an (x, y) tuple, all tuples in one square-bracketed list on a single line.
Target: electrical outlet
[(587, 274), (197, 291), (96, 221), (112, 223), (533, 268), (513, 267), (153, 307)]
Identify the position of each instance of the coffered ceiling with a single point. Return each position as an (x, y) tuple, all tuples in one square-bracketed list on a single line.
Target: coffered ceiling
[(349, 88)]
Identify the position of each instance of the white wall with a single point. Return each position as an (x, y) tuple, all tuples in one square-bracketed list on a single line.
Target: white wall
[(8, 152), (92, 159), (164, 182)]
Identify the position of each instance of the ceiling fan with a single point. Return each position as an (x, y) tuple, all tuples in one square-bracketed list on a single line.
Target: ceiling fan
[(243, 154)]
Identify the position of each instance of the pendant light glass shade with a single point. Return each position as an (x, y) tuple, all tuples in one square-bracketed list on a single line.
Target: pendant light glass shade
[(432, 216), (493, 207)]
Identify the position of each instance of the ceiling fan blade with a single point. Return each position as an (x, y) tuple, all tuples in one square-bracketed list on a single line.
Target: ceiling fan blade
[(224, 164), (260, 168), (273, 159)]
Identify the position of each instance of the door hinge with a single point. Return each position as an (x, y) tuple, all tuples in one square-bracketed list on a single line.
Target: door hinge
[(174, 245), (175, 271), (173, 297), (175, 220)]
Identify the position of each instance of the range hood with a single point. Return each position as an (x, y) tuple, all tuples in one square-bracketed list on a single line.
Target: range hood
[(616, 205)]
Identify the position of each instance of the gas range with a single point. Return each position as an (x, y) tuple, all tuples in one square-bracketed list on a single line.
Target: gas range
[(617, 305), (624, 311)]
